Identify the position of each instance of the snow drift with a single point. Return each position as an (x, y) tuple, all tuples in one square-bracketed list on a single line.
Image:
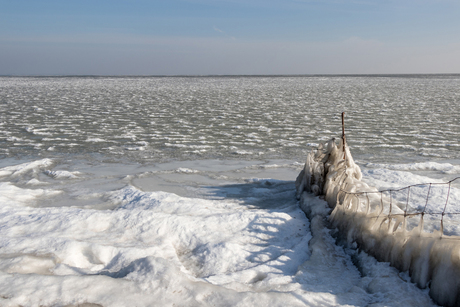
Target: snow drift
[(383, 227)]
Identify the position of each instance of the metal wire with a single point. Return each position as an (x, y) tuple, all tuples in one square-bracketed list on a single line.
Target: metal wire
[(391, 199)]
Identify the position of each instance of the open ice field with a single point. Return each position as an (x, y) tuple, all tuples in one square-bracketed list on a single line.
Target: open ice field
[(162, 191)]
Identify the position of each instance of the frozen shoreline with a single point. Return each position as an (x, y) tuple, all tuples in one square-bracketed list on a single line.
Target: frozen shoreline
[(181, 190), (232, 234)]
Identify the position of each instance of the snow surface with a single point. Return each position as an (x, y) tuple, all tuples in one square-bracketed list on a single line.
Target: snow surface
[(232, 234)]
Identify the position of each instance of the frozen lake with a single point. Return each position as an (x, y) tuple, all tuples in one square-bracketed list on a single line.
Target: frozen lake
[(165, 191)]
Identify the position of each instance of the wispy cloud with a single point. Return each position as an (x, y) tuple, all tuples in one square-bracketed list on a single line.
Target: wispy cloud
[(223, 32), (218, 30)]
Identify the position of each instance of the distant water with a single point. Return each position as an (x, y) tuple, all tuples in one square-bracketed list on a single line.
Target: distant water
[(153, 119)]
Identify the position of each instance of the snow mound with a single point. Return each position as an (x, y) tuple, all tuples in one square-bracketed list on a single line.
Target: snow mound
[(12, 196), (62, 174), (21, 169)]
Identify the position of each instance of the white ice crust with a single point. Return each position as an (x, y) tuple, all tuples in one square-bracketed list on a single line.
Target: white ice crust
[(382, 226)]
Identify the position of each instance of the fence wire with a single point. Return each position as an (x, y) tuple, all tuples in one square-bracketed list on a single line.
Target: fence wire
[(429, 201)]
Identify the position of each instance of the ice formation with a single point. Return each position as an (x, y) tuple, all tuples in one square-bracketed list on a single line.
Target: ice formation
[(381, 226)]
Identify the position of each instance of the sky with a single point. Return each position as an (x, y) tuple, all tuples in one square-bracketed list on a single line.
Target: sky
[(228, 37)]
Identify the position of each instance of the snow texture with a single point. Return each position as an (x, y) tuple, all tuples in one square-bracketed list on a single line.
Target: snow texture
[(130, 235)]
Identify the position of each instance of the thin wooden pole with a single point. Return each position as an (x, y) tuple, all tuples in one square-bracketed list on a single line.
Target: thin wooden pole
[(343, 134)]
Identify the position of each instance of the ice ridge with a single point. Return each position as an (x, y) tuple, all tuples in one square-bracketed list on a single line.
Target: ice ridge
[(380, 227)]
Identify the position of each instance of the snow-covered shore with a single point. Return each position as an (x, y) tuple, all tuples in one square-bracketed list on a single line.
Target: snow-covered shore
[(242, 241)]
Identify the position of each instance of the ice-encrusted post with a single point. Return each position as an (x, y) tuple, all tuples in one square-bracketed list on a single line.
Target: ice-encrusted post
[(343, 134)]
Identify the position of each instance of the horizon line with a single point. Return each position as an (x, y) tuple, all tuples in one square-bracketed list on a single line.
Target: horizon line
[(229, 75)]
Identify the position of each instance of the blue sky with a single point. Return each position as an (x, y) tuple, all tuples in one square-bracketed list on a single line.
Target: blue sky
[(201, 37)]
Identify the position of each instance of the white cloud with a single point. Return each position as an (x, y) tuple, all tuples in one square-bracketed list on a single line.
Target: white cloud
[(218, 30)]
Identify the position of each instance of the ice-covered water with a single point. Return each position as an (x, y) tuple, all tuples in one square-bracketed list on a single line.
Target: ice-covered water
[(180, 190), (153, 119)]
